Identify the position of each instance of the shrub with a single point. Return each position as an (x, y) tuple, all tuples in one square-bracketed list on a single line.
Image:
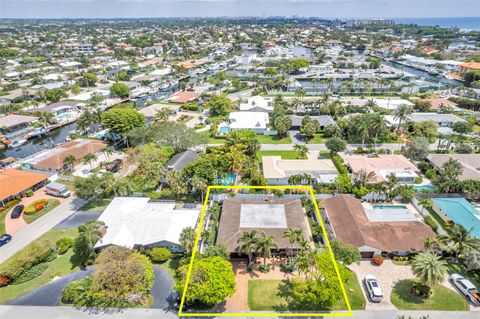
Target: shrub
[(418, 180), (166, 193), (159, 254), (75, 290), (430, 173), (34, 254), (421, 290), (190, 107), (31, 273), (377, 260), (430, 222), (338, 162), (359, 150), (29, 193), (264, 268), (63, 245), (288, 268), (36, 206)]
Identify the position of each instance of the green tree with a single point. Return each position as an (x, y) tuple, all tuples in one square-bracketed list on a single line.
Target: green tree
[(460, 239), (345, 253), (199, 184), (447, 178), (177, 182), (302, 150), (88, 79), (282, 125), (219, 105), (335, 145), (293, 235), (463, 127), (55, 95), (122, 120), (69, 161), (427, 129), (217, 251), (417, 148), (107, 151), (308, 130), (175, 134), (429, 268), (244, 139), (402, 113), (119, 90), (89, 159), (212, 281), (247, 242), (265, 244), (187, 239), (88, 235)]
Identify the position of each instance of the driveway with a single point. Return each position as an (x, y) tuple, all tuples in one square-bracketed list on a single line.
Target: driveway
[(388, 274), (34, 230), (78, 218), (51, 293)]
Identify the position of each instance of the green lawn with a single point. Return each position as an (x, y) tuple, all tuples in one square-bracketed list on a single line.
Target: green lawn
[(273, 139), (317, 139), (52, 203), (96, 206), (70, 185), (354, 294), (283, 154), (2, 220), (476, 129), (443, 299), (264, 295), (60, 266)]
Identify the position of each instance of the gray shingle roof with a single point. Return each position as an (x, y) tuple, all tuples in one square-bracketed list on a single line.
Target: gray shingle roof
[(180, 160)]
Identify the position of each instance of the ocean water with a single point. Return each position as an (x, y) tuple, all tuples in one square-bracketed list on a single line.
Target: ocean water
[(471, 23)]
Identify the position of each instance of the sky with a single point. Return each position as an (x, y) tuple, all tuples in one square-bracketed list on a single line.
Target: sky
[(215, 8)]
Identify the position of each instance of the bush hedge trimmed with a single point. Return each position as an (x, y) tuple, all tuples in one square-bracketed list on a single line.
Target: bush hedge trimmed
[(63, 245), (36, 206), (31, 273), (159, 254)]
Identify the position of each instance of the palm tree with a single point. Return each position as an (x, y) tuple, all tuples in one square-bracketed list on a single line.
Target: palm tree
[(89, 159), (265, 244), (293, 235), (378, 124), (199, 183), (107, 151), (401, 114), (296, 102), (248, 242), (88, 235), (363, 131), (69, 161), (302, 150), (461, 239), (426, 203), (430, 244), (391, 184), (187, 239), (429, 268)]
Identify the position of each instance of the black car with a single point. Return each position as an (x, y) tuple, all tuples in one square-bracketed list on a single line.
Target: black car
[(4, 239), (17, 211)]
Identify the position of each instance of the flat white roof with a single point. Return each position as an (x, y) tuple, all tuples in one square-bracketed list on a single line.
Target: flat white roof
[(248, 120), (263, 216), (134, 221)]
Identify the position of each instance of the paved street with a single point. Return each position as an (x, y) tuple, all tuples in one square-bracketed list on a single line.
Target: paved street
[(34, 230), (72, 313), (244, 95)]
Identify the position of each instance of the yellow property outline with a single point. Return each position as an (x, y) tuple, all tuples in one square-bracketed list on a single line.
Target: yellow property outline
[(263, 314)]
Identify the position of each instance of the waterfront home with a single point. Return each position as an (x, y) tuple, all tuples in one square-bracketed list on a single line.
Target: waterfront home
[(184, 97), (375, 230), (323, 121), (135, 222), (277, 170), (15, 182), (460, 211), (272, 216), (470, 164), (16, 125), (378, 168), (254, 121)]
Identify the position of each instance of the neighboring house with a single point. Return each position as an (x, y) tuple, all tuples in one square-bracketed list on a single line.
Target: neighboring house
[(258, 104), (180, 160), (323, 120), (389, 104), (470, 164), (184, 97), (442, 120), (460, 211), (16, 125), (272, 216), (254, 121), (277, 170), (52, 159), (14, 182), (439, 102), (469, 66), (151, 111), (378, 168), (374, 231), (135, 222), (63, 110)]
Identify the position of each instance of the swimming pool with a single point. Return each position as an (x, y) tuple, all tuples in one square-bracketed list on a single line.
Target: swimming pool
[(229, 179), (224, 129), (423, 187), (389, 207)]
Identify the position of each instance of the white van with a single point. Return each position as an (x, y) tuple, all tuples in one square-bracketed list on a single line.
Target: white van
[(57, 189)]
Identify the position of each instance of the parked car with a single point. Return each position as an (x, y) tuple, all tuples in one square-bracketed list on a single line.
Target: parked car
[(4, 239), (373, 289), (114, 166), (57, 189), (466, 287), (17, 211)]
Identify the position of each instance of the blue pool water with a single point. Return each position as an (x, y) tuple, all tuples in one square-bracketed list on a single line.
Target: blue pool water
[(389, 207), (424, 187), (230, 179), (63, 116), (224, 129)]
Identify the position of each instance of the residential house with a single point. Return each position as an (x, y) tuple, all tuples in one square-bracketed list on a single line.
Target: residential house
[(277, 170), (254, 121), (135, 222), (15, 125), (442, 120), (258, 104), (374, 231), (323, 120), (470, 164), (15, 182)]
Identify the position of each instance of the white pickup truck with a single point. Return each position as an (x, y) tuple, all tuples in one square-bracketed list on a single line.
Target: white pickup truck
[(466, 288)]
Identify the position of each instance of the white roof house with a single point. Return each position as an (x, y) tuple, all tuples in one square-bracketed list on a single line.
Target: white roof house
[(258, 104), (442, 120), (137, 221), (256, 121)]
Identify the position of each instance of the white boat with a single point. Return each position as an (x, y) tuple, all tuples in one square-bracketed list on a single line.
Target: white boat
[(17, 143), (38, 132)]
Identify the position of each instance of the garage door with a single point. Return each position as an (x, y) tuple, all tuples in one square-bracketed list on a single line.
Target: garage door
[(366, 254)]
